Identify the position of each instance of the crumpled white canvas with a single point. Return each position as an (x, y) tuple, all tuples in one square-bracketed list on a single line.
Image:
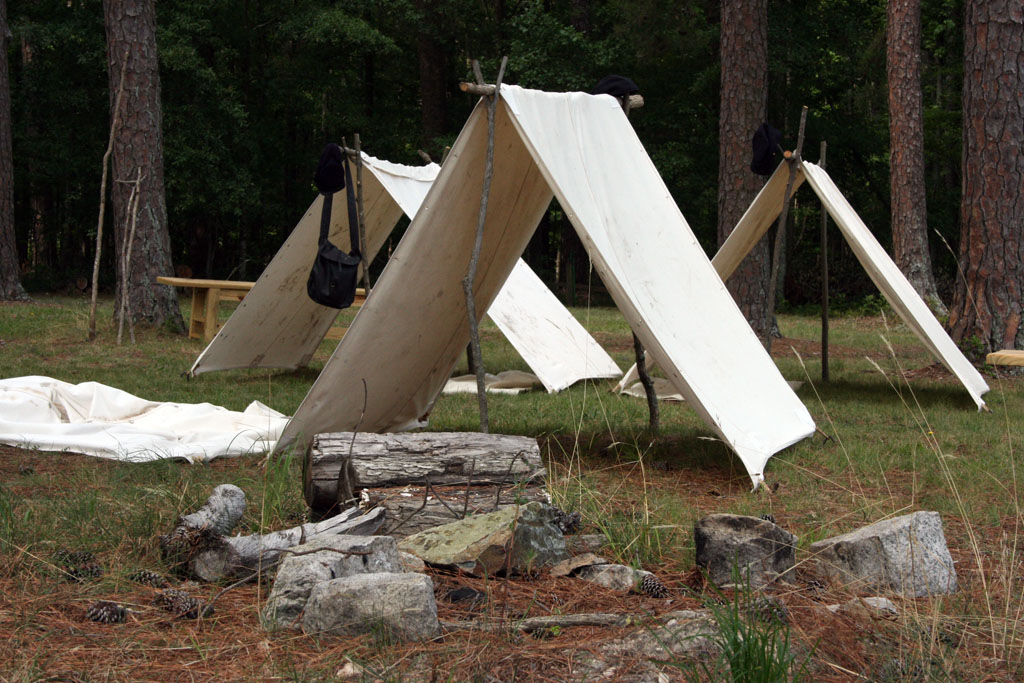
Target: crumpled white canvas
[(47, 414)]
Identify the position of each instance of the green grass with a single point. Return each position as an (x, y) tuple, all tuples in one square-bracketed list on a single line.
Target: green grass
[(892, 447)]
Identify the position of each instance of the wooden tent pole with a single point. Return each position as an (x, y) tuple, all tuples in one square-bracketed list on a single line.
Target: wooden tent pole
[(467, 282), (114, 118), (793, 159), (359, 213), (824, 278), (653, 410)]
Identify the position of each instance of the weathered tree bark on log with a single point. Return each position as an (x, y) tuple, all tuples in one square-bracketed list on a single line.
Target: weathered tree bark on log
[(199, 544), (339, 466), (545, 622)]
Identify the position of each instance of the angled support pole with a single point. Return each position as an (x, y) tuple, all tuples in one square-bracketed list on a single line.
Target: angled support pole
[(793, 159), (467, 282)]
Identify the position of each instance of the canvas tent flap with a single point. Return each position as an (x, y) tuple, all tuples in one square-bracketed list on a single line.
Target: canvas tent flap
[(583, 149), (91, 418), (545, 333), (277, 325), (755, 222), (894, 286)]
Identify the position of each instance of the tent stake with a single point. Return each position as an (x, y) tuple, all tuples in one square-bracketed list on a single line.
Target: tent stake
[(467, 282), (793, 159), (824, 278)]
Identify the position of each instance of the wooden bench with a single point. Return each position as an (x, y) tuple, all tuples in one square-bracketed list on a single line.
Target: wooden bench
[(1005, 357), (207, 295)]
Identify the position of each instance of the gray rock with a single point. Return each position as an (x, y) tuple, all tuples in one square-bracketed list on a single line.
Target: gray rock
[(521, 540), (573, 564), (906, 555), (299, 574), (870, 606), (411, 563), (617, 577), (760, 550), (586, 543), (685, 633), (390, 605)]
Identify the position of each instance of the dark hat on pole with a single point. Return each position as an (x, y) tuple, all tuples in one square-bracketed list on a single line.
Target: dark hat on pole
[(330, 172), (616, 86), (766, 141)]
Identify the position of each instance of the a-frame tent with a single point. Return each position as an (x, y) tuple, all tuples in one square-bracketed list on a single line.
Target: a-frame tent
[(407, 337), (278, 326), (882, 270)]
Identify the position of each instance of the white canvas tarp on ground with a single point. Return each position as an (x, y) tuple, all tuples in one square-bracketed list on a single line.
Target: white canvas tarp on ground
[(882, 270), (582, 149), (278, 326), (91, 418)]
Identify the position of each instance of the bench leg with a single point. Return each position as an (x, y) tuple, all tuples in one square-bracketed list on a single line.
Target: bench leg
[(197, 322), (210, 317)]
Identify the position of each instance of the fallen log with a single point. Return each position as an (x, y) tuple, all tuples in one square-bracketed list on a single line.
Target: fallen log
[(338, 467), (200, 547), (530, 624)]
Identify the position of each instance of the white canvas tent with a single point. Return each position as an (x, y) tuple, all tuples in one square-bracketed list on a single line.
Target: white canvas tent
[(582, 149), (886, 275), (278, 326)]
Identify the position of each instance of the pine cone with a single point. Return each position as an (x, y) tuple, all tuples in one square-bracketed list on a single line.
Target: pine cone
[(180, 604), (78, 565), (83, 573), (652, 585), (149, 578), (768, 517), (568, 522), (73, 558), (106, 612)]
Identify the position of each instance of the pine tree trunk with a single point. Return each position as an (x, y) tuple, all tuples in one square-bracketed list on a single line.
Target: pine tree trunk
[(988, 298), (906, 140), (744, 90), (10, 279), (430, 52), (138, 144)]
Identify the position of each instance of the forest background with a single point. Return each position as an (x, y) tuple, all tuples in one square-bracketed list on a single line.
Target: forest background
[(252, 90)]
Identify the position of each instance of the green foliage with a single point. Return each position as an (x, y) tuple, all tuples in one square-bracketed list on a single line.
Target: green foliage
[(753, 639), (251, 91)]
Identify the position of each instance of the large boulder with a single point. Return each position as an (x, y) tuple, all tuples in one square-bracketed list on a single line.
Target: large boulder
[(518, 540), (399, 606), (322, 560), (758, 549), (906, 555)]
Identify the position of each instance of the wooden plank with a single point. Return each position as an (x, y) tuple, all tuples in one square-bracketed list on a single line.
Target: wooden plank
[(1005, 357), (207, 284)]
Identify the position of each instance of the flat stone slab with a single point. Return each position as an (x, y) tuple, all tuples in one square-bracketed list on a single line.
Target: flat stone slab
[(401, 605), (329, 558), (906, 555), (514, 539)]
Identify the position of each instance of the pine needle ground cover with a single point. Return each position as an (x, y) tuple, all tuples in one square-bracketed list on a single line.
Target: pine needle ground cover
[(898, 435)]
